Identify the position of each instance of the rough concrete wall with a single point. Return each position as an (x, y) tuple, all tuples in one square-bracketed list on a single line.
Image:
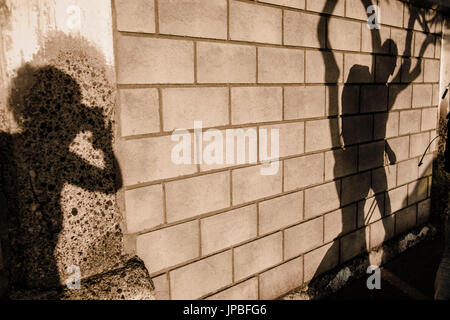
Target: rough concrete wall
[(60, 176), (226, 231)]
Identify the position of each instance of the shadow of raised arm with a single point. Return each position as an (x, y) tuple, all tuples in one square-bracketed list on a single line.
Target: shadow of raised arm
[(91, 177), (415, 15)]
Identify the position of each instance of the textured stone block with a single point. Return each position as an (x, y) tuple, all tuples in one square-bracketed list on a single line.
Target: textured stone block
[(422, 94), (431, 70), (190, 197), (405, 219), (374, 98), (135, 16), (358, 66), (183, 106), (400, 147), (229, 228), (429, 119), (202, 277), (423, 211), (427, 166), (321, 199), (161, 284), (407, 171), (280, 65), (282, 279), (169, 246), (140, 163), (355, 9), (384, 178), (418, 144), (257, 255), (366, 39), (291, 138), (148, 60), (250, 22), (256, 104), (344, 34), (357, 129), (334, 101), (397, 199), (408, 75), (381, 231), (371, 155), (319, 6), (144, 208), (321, 260), (340, 162), (196, 18), (400, 96), (339, 222), (399, 37), (225, 63), (420, 45), (316, 69), (353, 244), (388, 69), (249, 184), (436, 94), (370, 210), (386, 125), (301, 29), (391, 12), (299, 4), (355, 187), (302, 238), (303, 171), (417, 190), (139, 111), (304, 102), (409, 121), (280, 212), (318, 134), (247, 290)]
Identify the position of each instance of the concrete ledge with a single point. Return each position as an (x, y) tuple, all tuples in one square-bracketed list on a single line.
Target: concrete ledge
[(131, 282)]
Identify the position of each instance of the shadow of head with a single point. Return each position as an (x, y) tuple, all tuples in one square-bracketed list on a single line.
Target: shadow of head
[(47, 103), (388, 63)]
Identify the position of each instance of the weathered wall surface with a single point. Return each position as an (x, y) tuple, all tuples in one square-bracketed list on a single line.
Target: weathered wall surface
[(60, 177), (226, 231)]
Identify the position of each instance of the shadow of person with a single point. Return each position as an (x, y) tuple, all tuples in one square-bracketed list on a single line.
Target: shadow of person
[(375, 102), (366, 100), (46, 103), (362, 100)]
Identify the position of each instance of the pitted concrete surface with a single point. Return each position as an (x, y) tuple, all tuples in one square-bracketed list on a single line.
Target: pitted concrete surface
[(61, 178)]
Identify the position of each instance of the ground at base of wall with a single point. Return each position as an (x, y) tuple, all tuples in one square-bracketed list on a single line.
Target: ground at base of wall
[(410, 276), (131, 282), (400, 254)]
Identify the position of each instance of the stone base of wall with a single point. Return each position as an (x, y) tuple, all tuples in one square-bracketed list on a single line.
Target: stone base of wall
[(131, 282), (330, 282)]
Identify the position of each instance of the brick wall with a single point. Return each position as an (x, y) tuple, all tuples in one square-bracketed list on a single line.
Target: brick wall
[(226, 231)]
